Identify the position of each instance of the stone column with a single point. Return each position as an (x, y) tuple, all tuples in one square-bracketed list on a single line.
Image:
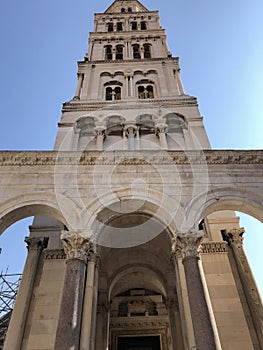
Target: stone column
[(179, 83), (100, 132), (130, 132), (14, 337), (68, 332), (79, 86), (88, 307), (235, 239), (188, 245), (161, 130), (94, 306)]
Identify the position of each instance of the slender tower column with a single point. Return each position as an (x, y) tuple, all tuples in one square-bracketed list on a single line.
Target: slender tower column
[(179, 82), (88, 307), (235, 239), (100, 131), (17, 324), (130, 132), (161, 130), (188, 244), (79, 86), (68, 332)]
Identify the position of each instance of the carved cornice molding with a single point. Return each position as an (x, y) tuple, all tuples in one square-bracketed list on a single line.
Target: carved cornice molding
[(84, 106), (209, 157), (54, 254), (213, 247)]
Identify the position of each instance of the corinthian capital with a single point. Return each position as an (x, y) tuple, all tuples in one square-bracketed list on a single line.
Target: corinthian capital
[(160, 126), (234, 236), (36, 243), (75, 245), (187, 244)]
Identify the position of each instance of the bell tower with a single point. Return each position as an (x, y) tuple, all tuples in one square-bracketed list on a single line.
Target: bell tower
[(128, 68), (134, 243)]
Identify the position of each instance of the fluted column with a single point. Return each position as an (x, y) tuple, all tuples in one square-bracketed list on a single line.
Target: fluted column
[(17, 324), (88, 308), (79, 86), (161, 130), (235, 239), (76, 248), (188, 245)]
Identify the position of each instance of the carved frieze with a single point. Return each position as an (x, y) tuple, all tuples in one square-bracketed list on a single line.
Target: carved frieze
[(209, 157)]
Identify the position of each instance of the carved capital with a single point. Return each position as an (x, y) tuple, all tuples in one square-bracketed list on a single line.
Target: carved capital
[(130, 130), (187, 244), (100, 130), (75, 245), (234, 236), (160, 127), (36, 243)]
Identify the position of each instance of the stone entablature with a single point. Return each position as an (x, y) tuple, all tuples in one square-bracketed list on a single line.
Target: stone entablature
[(210, 157)]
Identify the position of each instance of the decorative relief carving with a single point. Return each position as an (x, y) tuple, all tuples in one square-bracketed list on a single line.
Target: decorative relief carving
[(187, 244), (209, 157), (213, 247), (76, 246)]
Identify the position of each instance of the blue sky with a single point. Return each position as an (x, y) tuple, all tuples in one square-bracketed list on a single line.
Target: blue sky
[(221, 55)]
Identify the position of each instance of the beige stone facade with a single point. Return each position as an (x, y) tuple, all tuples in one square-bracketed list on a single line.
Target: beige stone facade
[(135, 243)]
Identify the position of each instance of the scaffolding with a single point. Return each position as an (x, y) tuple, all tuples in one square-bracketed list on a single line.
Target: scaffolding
[(9, 284)]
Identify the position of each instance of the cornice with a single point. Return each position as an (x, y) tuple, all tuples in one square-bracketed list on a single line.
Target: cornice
[(140, 60), (213, 247), (208, 157), (54, 254), (84, 105)]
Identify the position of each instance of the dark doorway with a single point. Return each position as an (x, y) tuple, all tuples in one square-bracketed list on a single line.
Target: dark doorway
[(139, 343)]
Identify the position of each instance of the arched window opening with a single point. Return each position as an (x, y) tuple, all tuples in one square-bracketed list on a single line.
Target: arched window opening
[(119, 52), (108, 52), (108, 94), (110, 27), (143, 25), (175, 123), (123, 10), (147, 50), (134, 26), (119, 27), (129, 9), (113, 92), (145, 92), (146, 124), (136, 51), (117, 93)]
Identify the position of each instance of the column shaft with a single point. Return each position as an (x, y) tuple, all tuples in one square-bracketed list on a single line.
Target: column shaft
[(87, 308), (14, 337), (68, 331), (79, 86), (203, 330)]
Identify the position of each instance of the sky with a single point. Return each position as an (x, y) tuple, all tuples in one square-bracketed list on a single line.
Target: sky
[(221, 56)]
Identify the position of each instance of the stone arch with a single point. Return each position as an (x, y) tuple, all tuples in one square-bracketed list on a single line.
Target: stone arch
[(225, 198), (38, 203), (154, 278), (167, 212)]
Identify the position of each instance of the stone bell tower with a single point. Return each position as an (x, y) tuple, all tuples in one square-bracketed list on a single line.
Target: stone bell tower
[(128, 256)]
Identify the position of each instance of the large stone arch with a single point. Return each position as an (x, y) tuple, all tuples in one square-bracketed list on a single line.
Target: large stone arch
[(164, 209), (39, 203), (224, 198)]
